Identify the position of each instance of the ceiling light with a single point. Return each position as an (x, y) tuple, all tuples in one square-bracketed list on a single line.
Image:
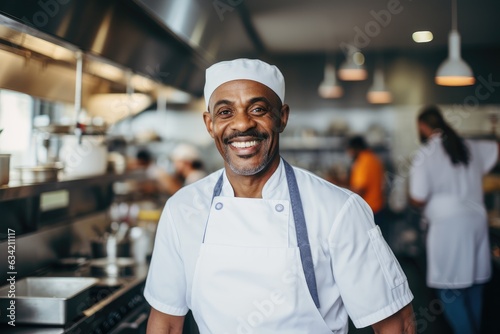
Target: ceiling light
[(106, 71), (329, 88), (117, 106), (142, 83), (353, 68), (454, 71), (422, 36), (378, 92)]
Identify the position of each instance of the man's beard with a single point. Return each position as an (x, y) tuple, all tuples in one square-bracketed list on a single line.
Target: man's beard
[(247, 171)]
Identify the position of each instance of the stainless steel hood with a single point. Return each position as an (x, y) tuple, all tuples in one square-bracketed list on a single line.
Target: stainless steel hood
[(218, 29), (121, 31)]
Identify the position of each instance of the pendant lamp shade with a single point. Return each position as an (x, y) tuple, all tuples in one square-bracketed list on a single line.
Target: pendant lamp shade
[(329, 88), (454, 71), (378, 92), (352, 69)]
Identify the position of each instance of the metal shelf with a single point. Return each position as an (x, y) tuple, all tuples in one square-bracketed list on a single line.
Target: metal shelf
[(17, 190)]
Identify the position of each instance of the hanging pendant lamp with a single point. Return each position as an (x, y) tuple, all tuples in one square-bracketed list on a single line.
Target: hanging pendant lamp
[(454, 71), (378, 92), (329, 88), (353, 69)]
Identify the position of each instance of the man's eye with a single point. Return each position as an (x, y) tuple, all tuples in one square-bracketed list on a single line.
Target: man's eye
[(224, 113), (258, 110)]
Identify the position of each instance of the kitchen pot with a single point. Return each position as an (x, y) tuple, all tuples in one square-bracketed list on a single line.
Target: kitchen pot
[(38, 174), (84, 156), (109, 247), (4, 169)]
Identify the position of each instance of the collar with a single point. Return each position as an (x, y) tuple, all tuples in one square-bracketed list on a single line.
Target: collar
[(434, 138), (275, 187)]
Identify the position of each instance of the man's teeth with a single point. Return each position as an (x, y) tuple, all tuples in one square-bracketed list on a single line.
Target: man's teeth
[(244, 144)]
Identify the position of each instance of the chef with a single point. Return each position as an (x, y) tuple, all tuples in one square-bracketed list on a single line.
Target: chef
[(446, 180), (263, 247)]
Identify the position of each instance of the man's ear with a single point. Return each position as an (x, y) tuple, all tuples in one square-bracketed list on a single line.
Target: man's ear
[(284, 113), (207, 118)]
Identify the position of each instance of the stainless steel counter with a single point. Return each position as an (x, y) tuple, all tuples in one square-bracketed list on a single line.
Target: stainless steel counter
[(17, 190)]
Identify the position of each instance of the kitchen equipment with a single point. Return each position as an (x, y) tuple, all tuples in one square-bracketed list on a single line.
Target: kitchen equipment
[(48, 140), (55, 128), (46, 300), (116, 308), (38, 174), (108, 246), (86, 158), (4, 169), (122, 232), (142, 240), (108, 267), (117, 163), (142, 236)]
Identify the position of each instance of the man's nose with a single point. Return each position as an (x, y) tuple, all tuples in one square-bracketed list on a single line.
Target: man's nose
[(242, 121)]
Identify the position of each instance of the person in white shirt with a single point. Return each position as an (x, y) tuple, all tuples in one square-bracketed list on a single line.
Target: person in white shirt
[(263, 247), (446, 180), (187, 163), (188, 168)]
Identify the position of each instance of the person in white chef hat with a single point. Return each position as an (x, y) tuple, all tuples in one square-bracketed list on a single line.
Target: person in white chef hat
[(263, 247), (187, 163)]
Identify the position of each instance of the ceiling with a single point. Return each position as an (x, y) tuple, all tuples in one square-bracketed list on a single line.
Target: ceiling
[(297, 26), (173, 41)]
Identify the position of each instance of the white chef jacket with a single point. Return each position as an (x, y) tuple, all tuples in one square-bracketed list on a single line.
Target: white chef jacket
[(359, 274), (458, 253)]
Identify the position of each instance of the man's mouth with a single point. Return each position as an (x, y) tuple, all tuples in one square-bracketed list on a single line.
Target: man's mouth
[(245, 139), (244, 144)]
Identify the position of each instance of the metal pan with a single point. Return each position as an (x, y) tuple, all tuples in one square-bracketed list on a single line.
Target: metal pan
[(46, 300), (39, 174)]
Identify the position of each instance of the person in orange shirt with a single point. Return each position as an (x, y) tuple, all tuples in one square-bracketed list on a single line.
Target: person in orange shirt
[(367, 177)]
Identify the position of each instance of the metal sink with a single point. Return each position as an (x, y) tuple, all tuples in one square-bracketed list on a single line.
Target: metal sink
[(46, 300)]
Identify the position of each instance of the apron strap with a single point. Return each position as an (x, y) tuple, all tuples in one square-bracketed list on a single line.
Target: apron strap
[(300, 229), (217, 191), (218, 187)]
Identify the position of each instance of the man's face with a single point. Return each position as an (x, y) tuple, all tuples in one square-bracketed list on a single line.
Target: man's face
[(352, 153), (245, 119), (424, 132)]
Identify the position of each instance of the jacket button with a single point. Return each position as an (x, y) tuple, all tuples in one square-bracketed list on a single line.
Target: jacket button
[(279, 207), (218, 206)]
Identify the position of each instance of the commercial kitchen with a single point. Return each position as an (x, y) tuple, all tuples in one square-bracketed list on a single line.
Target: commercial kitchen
[(86, 87)]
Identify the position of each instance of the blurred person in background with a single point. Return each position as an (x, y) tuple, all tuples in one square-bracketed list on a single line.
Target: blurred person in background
[(144, 161), (446, 181), (367, 178), (187, 168), (187, 163)]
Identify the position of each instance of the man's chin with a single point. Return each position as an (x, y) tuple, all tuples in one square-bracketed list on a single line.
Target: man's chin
[(243, 165)]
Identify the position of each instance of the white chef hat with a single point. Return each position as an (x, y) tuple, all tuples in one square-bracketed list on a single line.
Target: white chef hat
[(185, 152), (244, 69)]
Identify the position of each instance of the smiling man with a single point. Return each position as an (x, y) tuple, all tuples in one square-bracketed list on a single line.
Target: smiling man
[(263, 247)]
